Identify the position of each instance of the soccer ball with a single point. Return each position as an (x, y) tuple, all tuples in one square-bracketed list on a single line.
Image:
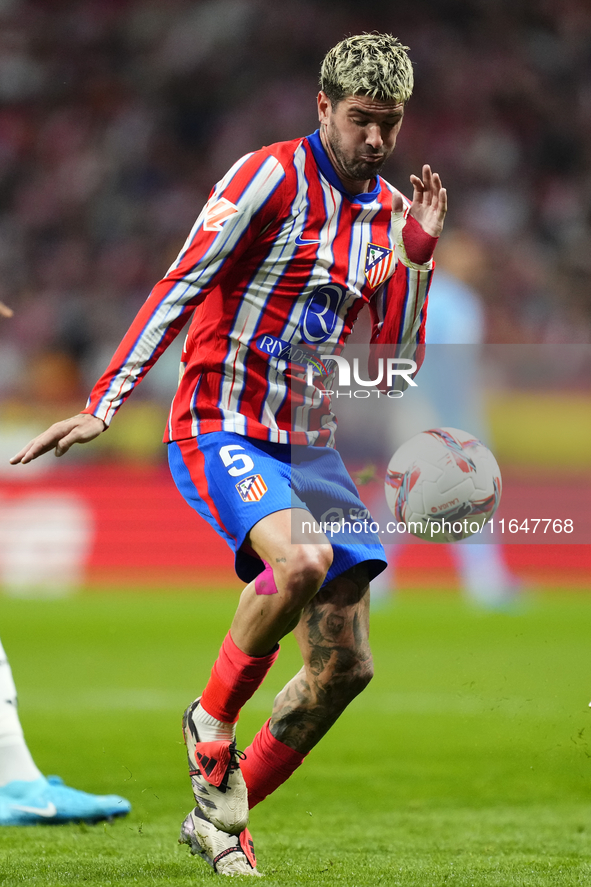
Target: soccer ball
[(443, 484)]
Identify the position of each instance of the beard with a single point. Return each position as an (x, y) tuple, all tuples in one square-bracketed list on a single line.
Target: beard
[(356, 168)]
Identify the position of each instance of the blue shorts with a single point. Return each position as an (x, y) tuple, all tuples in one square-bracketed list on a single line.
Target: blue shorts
[(234, 481)]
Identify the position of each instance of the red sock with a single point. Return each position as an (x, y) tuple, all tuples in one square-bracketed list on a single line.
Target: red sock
[(234, 678), (267, 765)]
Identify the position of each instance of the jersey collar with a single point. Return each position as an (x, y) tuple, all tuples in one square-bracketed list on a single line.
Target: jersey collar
[(328, 171)]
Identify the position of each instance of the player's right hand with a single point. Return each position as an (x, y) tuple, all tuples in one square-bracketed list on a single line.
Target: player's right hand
[(79, 429)]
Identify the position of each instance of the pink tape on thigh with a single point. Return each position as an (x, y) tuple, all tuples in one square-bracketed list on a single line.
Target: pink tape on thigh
[(265, 581)]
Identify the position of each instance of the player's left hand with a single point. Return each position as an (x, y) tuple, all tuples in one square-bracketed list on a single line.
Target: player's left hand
[(5, 311), (429, 201)]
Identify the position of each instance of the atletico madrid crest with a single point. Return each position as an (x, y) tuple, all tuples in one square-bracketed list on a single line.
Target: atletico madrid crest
[(252, 488), (379, 264)]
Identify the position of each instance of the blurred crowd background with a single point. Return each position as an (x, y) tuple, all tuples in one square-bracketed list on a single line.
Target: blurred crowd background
[(117, 116)]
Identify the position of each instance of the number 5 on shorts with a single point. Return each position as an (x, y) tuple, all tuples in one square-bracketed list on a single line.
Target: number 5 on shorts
[(228, 459)]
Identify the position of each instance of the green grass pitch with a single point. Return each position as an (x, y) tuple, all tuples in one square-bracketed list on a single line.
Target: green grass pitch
[(466, 762)]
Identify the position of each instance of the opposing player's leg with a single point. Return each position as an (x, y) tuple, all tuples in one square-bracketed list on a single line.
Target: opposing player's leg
[(16, 762), (26, 796), (333, 635)]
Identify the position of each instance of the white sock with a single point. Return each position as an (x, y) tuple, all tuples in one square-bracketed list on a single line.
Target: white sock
[(210, 729), (16, 762)]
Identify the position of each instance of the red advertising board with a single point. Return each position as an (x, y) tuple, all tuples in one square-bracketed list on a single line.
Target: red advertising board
[(140, 533)]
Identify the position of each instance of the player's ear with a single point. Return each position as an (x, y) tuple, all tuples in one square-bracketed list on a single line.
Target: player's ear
[(324, 107)]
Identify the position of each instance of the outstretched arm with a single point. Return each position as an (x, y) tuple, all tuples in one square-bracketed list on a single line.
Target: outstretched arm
[(230, 220), (61, 436), (79, 429)]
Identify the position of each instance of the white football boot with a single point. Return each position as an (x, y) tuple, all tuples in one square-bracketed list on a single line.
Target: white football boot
[(217, 781), (227, 854)]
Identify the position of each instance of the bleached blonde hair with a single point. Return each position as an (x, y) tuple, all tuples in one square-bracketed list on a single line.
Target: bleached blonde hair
[(376, 65)]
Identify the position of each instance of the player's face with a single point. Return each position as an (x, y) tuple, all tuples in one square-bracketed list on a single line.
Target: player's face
[(361, 133)]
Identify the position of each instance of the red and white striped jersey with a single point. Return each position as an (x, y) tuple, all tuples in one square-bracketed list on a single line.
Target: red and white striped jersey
[(278, 265)]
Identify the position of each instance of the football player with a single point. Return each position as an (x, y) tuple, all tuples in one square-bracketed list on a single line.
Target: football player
[(293, 242)]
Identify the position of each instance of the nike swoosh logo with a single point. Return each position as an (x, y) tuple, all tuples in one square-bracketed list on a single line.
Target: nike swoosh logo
[(301, 242), (47, 812)]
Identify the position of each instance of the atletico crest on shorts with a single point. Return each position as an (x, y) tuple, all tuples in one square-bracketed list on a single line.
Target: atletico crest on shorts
[(252, 488), (379, 264)]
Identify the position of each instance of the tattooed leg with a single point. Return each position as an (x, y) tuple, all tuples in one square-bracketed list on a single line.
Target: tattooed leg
[(333, 635), (299, 570)]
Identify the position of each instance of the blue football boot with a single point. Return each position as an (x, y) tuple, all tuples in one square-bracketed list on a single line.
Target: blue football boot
[(49, 801)]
